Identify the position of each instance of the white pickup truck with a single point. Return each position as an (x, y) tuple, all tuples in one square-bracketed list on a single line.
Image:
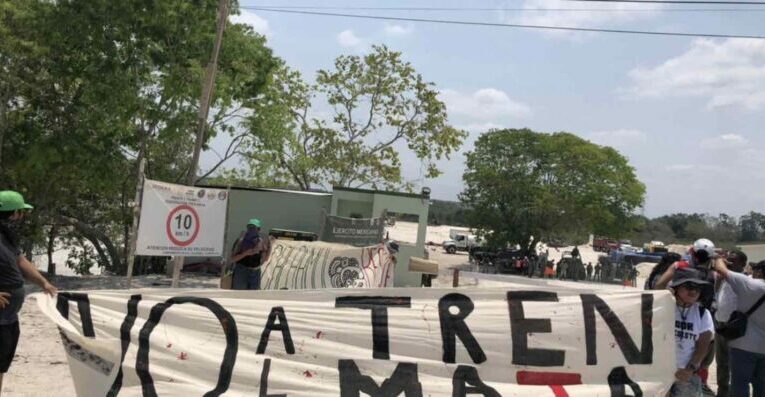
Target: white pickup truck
[(460, 240)]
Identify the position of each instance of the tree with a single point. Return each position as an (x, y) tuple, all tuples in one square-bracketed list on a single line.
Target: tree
[(92, 87), (520, 183), (751, 226), (686, 226), (646, 230), (379, 106)]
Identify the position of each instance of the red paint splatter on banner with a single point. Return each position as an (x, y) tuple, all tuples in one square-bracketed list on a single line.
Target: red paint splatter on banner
[(319, 335), (308, 374), (183, 356), (169, 345), (555, 380), (559, 391), (547, 378)]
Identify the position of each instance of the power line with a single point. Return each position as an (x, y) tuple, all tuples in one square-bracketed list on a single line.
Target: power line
[(675, 2), (504, 25), (510, 9)]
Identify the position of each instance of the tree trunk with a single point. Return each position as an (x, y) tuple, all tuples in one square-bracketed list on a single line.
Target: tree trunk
[(3, 125), (51, 247), (112, 260)]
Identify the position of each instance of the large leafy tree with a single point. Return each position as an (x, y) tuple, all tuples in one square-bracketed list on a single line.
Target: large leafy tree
[(521, 183), (375, 106), (751, 226), (92, 87)]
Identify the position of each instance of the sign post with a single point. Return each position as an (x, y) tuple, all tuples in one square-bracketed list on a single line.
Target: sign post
[(136, 220)]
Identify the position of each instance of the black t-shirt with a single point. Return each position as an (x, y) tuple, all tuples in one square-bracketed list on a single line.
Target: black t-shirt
[(10, 275), (251, 261)]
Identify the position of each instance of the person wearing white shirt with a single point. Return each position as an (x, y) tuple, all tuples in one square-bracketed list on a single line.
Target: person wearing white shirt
[(747, 353), (694, 331), (726, 304)]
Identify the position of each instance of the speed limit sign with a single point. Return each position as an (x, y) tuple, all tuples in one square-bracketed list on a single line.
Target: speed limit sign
[(182, 225), (179, 220)]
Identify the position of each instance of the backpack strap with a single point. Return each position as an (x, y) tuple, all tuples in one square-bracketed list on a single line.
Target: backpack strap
[(756, 306)]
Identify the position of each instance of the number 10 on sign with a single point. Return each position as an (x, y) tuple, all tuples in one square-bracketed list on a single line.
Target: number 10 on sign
[(182, 225)]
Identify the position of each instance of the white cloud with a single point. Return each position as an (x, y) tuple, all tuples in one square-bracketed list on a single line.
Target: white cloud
[(613, 14), (479, 127), (397, 30), (693, 167), (485, 104), (259, 24), (347, 38), (726, 141), (618, 138), (725, 73)]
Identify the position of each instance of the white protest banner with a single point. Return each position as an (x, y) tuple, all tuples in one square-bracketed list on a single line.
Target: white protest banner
[(181, 220), (309, 265), (411, 342)]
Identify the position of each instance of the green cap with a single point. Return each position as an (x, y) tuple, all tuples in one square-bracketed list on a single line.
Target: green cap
[(254, 222), (12, 201)]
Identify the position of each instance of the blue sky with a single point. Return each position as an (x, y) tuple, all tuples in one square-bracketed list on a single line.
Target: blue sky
[(687, 112)]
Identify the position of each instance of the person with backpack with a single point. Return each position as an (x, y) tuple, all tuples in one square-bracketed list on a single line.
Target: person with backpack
[(745, 331), (725, 305), (250, 251), (14, 268), (694, 331)]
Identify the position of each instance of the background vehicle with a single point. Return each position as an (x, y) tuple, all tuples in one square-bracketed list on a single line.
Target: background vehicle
[(604, 244), (655, 247), (461, 241)]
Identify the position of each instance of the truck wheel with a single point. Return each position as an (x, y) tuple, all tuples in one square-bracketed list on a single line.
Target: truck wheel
[(451, 249)]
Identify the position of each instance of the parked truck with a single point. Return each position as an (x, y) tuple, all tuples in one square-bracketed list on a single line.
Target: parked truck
[(461, 240), (604, 244)]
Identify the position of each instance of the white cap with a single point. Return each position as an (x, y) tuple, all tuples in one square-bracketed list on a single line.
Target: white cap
[(704, 244)]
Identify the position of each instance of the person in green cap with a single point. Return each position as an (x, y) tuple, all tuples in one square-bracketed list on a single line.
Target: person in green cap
[(249, 252), (14, 268)]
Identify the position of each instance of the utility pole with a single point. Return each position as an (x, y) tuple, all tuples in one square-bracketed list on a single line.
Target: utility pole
[(208, 86)]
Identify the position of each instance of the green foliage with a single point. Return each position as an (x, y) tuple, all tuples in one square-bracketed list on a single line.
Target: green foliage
[(379, 105), (447, 213), (91, 87), (81, 260), (520, 183), (721, 229), (751, 226)]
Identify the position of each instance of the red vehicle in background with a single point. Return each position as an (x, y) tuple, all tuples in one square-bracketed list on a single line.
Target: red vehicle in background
[(603, 244)]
